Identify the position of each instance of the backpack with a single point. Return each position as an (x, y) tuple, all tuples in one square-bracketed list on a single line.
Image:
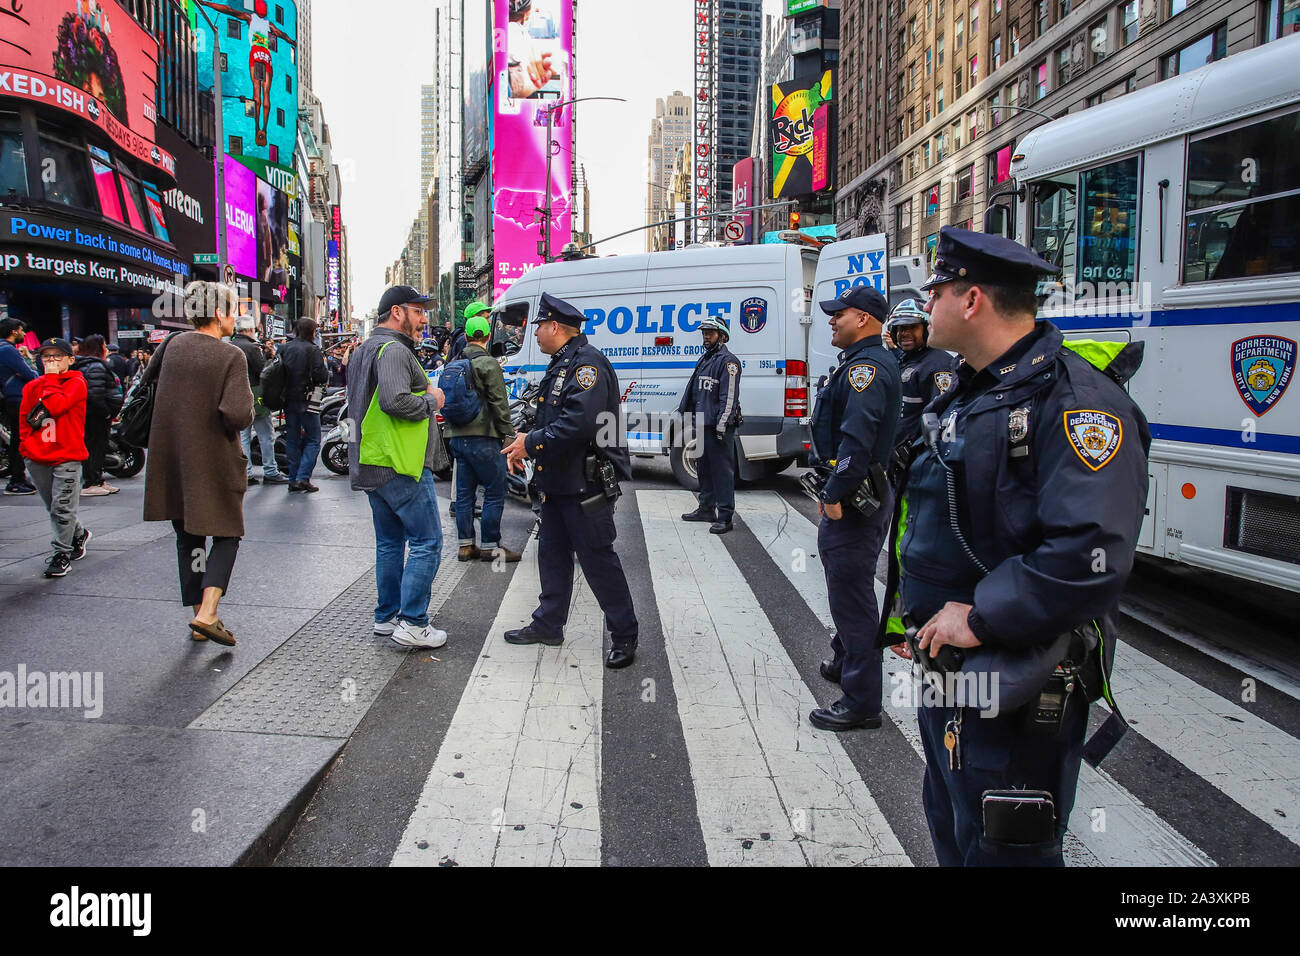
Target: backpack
[(272, 383), (462, 403)]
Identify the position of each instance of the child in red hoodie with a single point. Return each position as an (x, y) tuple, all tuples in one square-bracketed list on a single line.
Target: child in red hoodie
[(52, 426)]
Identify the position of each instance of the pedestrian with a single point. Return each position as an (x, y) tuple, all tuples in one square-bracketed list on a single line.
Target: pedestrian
[(120, 365), (925, 372), (458, 337), (195, 473), (103, 402), (16, 373), (393, 453), (854, 423), (52, 420), (477, 416), (245, 329), (580, 397), (713, 396), (305, 372), (1023, 509)]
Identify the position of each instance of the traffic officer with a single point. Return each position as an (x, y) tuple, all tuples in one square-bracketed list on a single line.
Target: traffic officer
[(1044, 455), (925, 372), (579, 398), (713, 397), (853, 427)]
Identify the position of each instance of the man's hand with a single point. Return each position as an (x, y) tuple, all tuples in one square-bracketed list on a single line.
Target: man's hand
[(903, 651), (835, 512), (886, 340), (437, 393), (516, 452), (948, 627)]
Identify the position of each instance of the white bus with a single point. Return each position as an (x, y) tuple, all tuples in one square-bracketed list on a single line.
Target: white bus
[(1174, 212)]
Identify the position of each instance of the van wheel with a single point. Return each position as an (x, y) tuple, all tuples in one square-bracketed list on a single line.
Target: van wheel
[(775, 468), (685, 469)]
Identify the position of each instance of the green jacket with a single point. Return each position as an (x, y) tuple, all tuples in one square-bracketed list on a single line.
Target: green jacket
[(493, 419)]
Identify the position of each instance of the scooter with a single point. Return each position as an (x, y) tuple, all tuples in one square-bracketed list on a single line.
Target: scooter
[(334, 447), (120, 459), (523, 413), (331, 405)]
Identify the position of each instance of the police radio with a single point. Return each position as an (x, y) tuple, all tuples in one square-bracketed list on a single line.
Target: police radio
[(600, 471), (866, 497)]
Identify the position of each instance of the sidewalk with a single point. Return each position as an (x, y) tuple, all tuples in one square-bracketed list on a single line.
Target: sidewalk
[(181, 767)]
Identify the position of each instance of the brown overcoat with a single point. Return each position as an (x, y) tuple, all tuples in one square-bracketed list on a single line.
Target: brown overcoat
[(196, 471)]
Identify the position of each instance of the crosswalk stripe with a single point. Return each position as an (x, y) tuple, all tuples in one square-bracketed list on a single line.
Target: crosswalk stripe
[(517, 779), (1133, 834), (770, 789)]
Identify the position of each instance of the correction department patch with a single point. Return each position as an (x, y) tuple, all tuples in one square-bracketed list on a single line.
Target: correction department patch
[(733, 368), (860, 376), (1095, 436), (1261, 369), (753, 314), (586, 376), (943, 381)]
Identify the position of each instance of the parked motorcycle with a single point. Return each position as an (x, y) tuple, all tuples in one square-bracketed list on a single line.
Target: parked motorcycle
[(120, 459), (331, 405), (334, 447), (523, 413)]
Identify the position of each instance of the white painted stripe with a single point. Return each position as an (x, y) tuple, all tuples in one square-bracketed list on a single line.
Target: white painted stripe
[(758, 767), (1132, 834), (517, 780)]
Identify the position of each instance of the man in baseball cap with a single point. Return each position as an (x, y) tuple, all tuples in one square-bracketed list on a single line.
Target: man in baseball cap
[(860, 297), (400, 295)]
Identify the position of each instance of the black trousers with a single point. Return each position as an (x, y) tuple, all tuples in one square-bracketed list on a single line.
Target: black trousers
[(203, 568), (567, 532), (92, 472), (717, 469), (17, 470)]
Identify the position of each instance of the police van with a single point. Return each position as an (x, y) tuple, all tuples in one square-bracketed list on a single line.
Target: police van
[(644, 311)]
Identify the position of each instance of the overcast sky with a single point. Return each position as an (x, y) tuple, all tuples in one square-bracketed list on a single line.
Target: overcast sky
[(370, 58)]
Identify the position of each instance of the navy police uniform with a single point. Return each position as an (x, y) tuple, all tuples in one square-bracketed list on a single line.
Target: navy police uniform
[(578, 389), (854, 423), (925, 373), (713, 394), (1045, 455)]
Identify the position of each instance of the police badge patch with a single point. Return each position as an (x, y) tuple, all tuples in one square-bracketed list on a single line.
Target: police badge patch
[(1261, 369), (907, 374), (1018, 425), (943, 381), (860, 376), (586, 376), (753, 314), (733, 368), (1095, 436)]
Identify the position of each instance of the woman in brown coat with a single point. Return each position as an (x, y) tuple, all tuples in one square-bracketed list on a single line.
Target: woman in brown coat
[(196, 472)]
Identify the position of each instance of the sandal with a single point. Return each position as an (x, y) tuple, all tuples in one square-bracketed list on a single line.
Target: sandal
[(216, 632)]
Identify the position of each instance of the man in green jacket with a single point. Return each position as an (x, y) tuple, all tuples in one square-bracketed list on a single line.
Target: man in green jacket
[(476, 445)]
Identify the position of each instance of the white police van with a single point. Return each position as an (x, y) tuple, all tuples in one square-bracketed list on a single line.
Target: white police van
[(643, 312)]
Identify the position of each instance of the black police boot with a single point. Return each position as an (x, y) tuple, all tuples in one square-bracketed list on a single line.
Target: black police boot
[(530, 635), (620, 655), (720, 526), (837, 717), (701, 514), (831, 670)]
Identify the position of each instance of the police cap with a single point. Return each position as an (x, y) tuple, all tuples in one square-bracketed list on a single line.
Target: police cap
[(862, 297), (551, 309), (978, 257)]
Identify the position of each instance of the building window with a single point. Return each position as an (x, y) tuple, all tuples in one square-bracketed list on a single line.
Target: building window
[(973, 121), (925, 152), (928, 114), (911, 30), (233, 28), (958, 32), (999, 166), (279, 116), (1063, 65), (1128, 22), (1177, 6), (288, 88), (1213, 46), (995, 110), (997, 7), (1126, 85), (938, 101), (974, 19), (1283, 19), (903, 221), (236, 146), (956, 84), (1098, 42), (955, 135), (939, 148), (65, 174), (974, 70), (964, 187), (932, 201), (931, 243), (1013, 94), (939, 48), (1040, 80), (927, 61), (1064, 7), (275, 155), (996, 52), (13, 158), (1015, 39), (1040, 16), (911, 122), (279, 18)]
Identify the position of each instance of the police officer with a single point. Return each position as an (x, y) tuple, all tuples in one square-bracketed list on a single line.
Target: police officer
[(1044, 455), (853, 427), (713, 395), (579, 397), (925, 372)]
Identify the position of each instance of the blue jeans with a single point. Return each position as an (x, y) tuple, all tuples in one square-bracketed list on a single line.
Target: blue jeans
[(301, 442), (479, 462), (406, 512), (265, 441)]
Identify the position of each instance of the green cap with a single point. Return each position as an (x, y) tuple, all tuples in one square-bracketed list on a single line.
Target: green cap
[(476, 326), (475, 308)]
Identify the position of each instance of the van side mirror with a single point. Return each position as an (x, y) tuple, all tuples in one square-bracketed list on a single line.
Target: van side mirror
[(998, 221)]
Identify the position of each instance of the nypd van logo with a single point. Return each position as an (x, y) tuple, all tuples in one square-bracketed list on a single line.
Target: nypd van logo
[(586, 376), (860, 376), (1095, 436), (753, 314), (943, 381), (1262, 366)]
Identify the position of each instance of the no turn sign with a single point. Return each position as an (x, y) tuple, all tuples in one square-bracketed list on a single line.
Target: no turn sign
[(230, 274), (734, 230)]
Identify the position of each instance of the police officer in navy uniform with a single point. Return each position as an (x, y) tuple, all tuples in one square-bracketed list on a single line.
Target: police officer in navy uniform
[(1045, 456), (854, 422), (579, 399), (925, 372), (713, 394)]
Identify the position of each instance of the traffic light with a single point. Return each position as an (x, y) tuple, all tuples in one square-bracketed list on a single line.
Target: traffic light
[(794, 219)]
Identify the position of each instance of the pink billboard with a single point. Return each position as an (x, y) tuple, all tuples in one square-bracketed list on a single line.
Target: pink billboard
[(532, 71), (241, 218), (742, 194)]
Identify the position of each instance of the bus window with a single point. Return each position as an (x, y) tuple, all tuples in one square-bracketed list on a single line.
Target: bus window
[(1243, 211), (1053, 221), (1108, 247)]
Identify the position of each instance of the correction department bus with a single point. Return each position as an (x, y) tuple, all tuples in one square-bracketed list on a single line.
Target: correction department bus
[(1174, 212)]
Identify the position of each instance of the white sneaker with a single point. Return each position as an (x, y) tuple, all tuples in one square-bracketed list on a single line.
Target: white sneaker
[(408, 635), (386, 628)]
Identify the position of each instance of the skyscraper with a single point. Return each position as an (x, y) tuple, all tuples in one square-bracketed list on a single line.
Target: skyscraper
[(669, 131)]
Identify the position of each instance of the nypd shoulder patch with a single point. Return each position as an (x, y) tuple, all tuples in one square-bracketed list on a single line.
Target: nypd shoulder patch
[(1095, 436), (860, 376), (733, 368), (943, 381), (586, 376)]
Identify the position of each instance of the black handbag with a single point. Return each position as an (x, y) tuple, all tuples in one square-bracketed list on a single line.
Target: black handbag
[(137, 413)]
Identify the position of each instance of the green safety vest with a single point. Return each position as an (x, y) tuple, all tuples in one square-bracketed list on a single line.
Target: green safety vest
[(392, 442)]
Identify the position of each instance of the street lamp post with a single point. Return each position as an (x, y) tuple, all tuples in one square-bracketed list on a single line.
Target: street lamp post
[(220, 151), (550, 150)]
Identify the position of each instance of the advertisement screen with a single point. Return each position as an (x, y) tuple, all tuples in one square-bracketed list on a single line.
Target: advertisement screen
[(106, 184), (88, 58), (801, 136), (273, 239), (191, 206), (157, 216), (241, 218), (742, 194), (531, 70)]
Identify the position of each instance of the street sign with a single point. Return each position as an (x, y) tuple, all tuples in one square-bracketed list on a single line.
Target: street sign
[(230, 274), (130, 333), (157, 335), (734, 230), (205, 258)]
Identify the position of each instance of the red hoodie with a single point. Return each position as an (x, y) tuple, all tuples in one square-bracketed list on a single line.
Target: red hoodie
[(64, 397)]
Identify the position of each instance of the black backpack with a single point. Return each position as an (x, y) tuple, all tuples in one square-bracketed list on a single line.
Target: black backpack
[(137, 413), (273, 382)]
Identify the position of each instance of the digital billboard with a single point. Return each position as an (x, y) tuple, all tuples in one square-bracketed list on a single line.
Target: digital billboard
[(90, 59), (478, 15), (241, 218), (742, 194), (191, 206), (801, 136), (532, 70), (333, 267), (273, 239)]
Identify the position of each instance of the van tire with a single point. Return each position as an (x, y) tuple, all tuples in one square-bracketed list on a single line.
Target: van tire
[(684, 469), (775, 468)]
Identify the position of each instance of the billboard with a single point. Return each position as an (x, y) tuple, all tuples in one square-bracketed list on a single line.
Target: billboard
[(241, 218), (742, 194), (477, 17), (532, 69), (333, 262), (90, 59), (190, 207), (273, 239), (794, 7), (801, 136)]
